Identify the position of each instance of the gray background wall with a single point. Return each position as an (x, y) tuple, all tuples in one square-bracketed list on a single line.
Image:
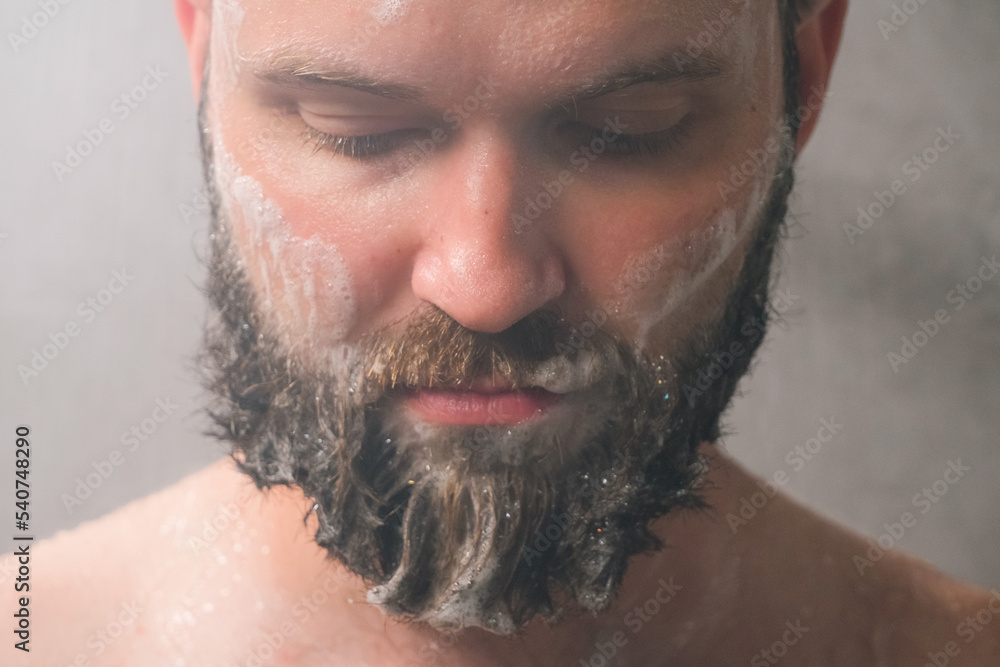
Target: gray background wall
[(123, 207)]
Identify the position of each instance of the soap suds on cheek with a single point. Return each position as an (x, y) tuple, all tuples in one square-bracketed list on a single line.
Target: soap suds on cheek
[(676, 270), (684, 266), (303, 285), (389, 11), (656, 285)]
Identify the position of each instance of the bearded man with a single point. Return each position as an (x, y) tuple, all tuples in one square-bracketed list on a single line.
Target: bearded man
[(470, 265)]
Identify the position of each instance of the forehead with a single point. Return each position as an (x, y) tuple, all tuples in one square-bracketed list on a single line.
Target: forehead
[(537, 46)]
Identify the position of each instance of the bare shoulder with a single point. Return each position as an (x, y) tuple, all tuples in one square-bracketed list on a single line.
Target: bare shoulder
[(90, 586), (899, 610), (970, 632)]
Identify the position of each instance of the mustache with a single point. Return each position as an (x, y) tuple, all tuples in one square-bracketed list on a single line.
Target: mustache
[(433, 350)]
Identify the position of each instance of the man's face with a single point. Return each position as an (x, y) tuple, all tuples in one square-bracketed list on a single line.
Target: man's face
[(485, 245)]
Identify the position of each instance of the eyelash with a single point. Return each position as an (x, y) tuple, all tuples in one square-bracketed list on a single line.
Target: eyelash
[(367, 146), (358, 147), (651, 143)]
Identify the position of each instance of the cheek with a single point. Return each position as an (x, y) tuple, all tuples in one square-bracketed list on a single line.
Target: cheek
[(327, 250), (675, 283), (303, 283), (671, 259), (322, 250)]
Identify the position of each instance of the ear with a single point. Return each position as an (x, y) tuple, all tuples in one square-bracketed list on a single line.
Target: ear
[(195, 19), (818, 39)]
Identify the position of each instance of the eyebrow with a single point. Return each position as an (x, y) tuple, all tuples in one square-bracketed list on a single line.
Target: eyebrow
[(297, 72), (673, 67)]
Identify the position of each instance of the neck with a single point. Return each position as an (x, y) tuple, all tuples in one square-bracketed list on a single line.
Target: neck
[(677, 604)]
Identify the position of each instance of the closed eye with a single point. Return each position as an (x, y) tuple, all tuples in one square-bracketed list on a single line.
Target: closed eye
[(646, 143), (362, 146)]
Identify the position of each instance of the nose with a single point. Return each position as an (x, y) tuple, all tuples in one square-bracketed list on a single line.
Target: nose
[(474, 263)]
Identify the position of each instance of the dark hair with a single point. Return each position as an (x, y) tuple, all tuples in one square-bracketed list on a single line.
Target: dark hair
[(799, 8), (790, 14)]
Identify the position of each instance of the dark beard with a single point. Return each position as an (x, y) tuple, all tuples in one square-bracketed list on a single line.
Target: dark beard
[(485, 526), (477, 527)]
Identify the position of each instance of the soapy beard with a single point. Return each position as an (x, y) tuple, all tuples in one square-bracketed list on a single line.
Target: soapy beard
[(491, 526)]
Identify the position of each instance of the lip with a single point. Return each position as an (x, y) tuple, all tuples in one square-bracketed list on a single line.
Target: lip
[(483, 403)]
